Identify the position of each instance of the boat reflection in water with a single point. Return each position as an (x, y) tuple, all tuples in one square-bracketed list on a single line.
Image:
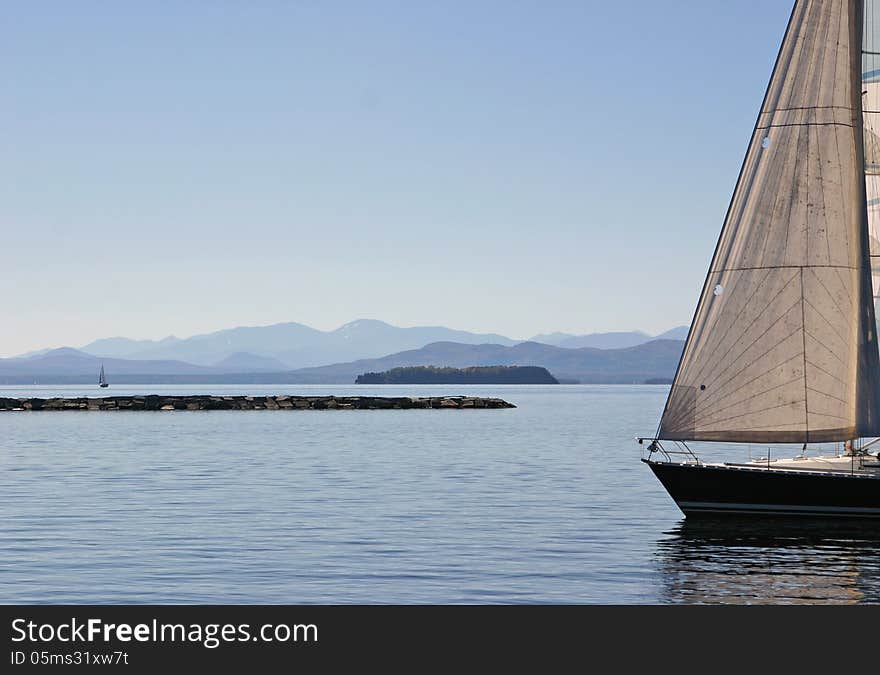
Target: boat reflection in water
[(733, 561)]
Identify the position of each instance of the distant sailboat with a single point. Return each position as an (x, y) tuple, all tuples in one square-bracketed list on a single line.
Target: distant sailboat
[(102, 378), (783, 345)]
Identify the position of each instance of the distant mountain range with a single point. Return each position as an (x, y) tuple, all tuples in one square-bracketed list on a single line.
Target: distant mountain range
[(656, 359), (67, 362), (616, 340), (653, 360), (293, 346)]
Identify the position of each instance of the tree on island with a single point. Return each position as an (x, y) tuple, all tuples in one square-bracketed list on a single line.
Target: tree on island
[(471, 375)]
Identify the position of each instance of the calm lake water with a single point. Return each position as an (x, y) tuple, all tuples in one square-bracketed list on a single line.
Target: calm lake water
[(544, 503)]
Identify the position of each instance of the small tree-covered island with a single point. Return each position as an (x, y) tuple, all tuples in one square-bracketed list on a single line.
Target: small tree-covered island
[(472, 375)]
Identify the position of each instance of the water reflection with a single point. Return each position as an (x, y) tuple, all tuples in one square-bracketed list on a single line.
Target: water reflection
[(770, 561)]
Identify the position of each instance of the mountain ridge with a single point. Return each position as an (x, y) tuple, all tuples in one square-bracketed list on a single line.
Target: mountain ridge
[(656, 359), (292, 345)]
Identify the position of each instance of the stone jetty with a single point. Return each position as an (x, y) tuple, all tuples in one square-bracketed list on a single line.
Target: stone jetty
[(159, 402)]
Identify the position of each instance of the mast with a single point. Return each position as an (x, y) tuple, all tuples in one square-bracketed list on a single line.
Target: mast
[(783, 346)]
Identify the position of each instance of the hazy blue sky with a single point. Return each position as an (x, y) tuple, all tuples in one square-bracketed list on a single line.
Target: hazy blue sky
[(519, 167)]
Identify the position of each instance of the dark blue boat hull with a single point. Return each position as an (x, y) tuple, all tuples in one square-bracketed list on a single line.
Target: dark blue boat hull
[(701, 490)]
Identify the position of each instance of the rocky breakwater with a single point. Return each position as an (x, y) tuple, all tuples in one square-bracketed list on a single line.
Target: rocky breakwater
[(157, 402)]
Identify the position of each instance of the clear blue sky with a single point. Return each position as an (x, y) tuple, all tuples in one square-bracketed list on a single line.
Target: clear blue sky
[(519, 167)]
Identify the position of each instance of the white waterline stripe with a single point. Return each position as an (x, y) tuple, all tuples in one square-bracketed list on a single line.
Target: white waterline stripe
[(778, 508)]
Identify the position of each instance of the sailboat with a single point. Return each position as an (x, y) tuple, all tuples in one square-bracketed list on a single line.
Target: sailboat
[(102, 379), (782, 351)]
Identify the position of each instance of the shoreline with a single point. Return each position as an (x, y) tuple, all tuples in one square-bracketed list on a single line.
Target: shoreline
[(155, 402)]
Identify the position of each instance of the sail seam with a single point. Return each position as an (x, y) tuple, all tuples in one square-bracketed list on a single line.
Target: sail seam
[(830, 351), (752, 344), (724, 336), (775, 433), (804, 339), (708, 400), (808, 107), (825, 393), (828, 291), (831, 375), (784, 267), (772, 407), (806, 124), (825, 319), (698, 376), (753, 396)]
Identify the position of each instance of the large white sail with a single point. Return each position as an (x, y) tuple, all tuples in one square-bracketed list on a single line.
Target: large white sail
[(783, 346)]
